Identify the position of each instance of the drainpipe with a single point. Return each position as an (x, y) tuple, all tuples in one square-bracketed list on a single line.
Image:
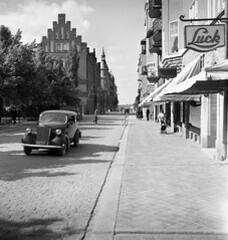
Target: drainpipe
[(222, 110), (225, 92)]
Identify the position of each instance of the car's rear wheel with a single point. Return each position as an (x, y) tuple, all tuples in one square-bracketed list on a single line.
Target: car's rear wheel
[(27, 150), (63, 149), (76, 139)]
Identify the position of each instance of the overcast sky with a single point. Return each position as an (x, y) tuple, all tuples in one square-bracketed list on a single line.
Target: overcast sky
[(116, 25)]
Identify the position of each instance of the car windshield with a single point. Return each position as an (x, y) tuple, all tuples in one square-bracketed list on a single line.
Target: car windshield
[(53, 117)]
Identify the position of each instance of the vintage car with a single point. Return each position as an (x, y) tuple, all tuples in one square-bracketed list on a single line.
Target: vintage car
[(56, 131)]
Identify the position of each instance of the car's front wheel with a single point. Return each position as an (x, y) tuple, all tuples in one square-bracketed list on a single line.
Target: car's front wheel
[(76, 139), (27, 150), (63, 149)]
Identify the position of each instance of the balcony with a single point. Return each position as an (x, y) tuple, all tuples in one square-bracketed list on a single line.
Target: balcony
[(155, 50), (167, 72), (153, 43), (155, 29), (150, 32), (157, 25), (154, 8), (154, 47), (153, 79)]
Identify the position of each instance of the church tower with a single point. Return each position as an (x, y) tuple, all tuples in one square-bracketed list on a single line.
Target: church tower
[(108, 87), (104, 70)]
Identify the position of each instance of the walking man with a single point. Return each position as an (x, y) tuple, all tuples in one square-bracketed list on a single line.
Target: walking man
[(95, 116)]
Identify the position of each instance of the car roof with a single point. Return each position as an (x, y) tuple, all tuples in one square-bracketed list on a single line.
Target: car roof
[(68, 112)]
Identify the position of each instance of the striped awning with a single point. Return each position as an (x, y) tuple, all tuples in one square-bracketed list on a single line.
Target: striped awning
[(189, 71), (210, 80)]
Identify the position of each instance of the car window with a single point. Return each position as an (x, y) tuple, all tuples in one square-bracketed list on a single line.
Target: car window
[(53, 117), (71, 118)]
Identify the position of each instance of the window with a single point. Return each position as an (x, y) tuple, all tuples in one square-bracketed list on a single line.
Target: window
[(56, 34), (62, 32), (193, 11), (51, 46), (61, 46), (67, 34), (174, 31)]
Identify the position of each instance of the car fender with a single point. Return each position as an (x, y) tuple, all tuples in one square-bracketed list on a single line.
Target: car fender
[(29, 138)]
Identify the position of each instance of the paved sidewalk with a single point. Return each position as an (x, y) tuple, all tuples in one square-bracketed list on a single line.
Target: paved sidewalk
[(161, 187)]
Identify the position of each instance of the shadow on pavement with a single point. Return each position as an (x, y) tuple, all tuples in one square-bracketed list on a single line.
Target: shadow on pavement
[(85, 137), (15, 165), (108, 124), (33, 229), (95, 127), (14, 176)]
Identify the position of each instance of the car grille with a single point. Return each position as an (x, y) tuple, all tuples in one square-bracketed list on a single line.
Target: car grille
[(43, 134)]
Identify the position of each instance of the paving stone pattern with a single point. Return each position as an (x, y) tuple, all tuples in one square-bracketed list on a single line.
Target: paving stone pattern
[(170, 189)]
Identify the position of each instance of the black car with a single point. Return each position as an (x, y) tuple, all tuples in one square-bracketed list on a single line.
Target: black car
[(56, 131)]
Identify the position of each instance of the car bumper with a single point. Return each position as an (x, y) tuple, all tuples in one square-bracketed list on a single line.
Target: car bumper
[(41, 146)]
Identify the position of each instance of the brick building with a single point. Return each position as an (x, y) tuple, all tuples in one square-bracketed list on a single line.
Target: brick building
[(108, 87), (59, 41)]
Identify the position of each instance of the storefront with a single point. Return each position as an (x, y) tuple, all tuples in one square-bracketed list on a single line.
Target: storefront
[(201, 90)]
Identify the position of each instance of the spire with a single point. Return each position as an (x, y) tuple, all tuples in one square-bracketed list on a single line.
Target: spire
[(103, 54)]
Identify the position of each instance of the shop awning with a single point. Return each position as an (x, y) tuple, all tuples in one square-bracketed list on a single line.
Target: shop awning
[(210, 80), (179, 98), (189, 71), (147, 101)]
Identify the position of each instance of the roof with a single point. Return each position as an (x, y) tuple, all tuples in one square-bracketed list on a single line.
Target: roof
[(68, 112)]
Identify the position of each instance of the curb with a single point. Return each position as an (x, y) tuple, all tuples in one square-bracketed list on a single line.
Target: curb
[(104, 219)]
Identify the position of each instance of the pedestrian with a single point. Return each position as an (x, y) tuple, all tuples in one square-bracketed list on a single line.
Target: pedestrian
[(95, 117), (161, 116), (161, 119), (14, 115), (148, 114)]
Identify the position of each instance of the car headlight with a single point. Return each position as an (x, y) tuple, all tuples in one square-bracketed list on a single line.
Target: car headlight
[(28, 130), (58, 132)]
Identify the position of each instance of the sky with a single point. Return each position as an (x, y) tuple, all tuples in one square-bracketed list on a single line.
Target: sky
[(115, 25)]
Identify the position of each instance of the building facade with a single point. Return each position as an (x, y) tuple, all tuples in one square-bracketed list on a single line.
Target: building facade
[(200, 115), (59, 41), (150, 56), (108, 91)]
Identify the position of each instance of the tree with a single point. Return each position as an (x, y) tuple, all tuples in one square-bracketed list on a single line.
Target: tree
[(35, 81), (19, 70), (72, 65), (55, 83), (16, 65)]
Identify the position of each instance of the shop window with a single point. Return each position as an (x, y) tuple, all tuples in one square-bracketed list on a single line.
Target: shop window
[(174, 36)]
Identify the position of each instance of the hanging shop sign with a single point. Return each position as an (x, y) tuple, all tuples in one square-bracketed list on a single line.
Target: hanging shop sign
[(204, 38)]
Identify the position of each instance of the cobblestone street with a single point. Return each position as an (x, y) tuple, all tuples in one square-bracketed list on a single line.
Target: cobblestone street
[(51, 197)]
